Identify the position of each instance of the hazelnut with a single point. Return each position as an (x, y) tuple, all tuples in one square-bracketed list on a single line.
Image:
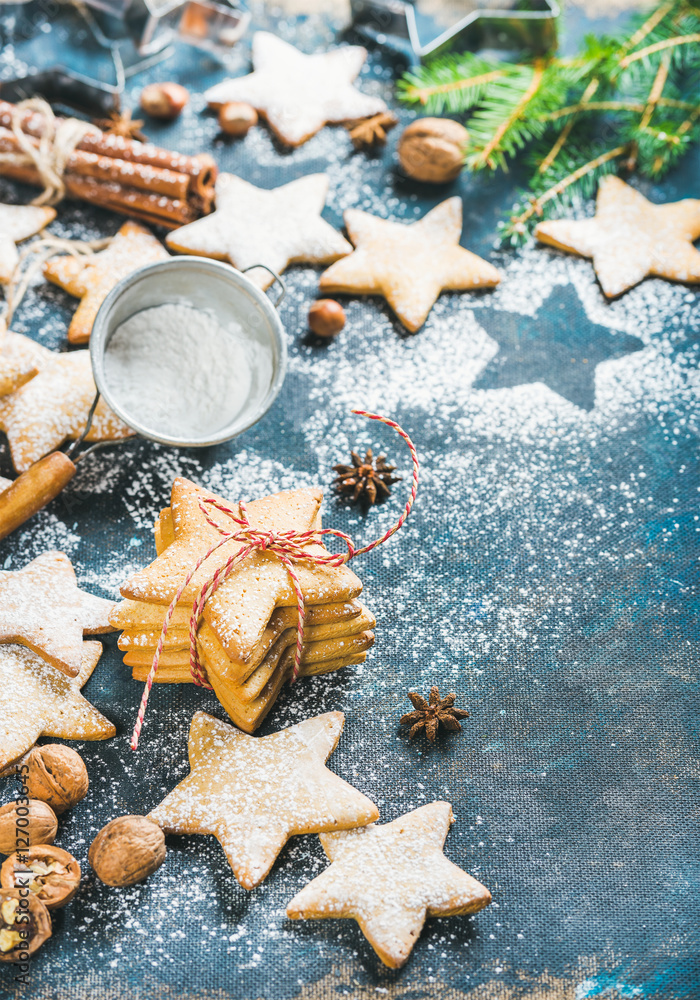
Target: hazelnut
[(127, 850), (164, 100), (236, 118), (24, 925), (22, 825), (50, 874), (432, 150), (57, 775), (326, 318)]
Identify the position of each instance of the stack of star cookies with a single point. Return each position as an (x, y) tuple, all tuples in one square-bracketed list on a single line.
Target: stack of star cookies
[(247, 637)]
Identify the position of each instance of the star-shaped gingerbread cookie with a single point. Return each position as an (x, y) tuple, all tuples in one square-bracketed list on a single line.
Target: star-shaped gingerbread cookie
[(409, 264), (254, 226), (20, 360), (241, 608), (42, 607), (91, 278), (299, 94), (255, 792), (630, 238), (17, 223), (53, 407), (389, 879), (37, 700)]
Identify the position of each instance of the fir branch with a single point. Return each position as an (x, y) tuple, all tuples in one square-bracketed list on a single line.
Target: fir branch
[(414, 92), (666, 43), (656, 91), (536, 206), (451, 85), (556, 149), (642, 32), (485, 157)]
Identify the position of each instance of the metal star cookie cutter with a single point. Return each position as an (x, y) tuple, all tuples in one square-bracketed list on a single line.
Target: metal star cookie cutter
[(212, 26), (530, 25)]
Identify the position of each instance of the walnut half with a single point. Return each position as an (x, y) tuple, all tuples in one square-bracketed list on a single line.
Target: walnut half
[(50, 873), (24, 925)]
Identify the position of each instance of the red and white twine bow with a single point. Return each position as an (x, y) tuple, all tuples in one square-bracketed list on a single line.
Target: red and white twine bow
[(288, 546)]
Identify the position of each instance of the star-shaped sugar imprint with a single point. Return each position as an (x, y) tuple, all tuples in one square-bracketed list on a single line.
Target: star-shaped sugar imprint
[(17, 223), (20, 360), (409, 264), (38, 700), (42, 607), (53, 407), (631, 238), (559, 347), (298, 94), (241, 608), (255, 792), (91, 278), (389, 879), (252, 225)]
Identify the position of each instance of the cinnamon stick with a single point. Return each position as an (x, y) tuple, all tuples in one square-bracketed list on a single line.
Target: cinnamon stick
[(106, 168), (154, 208), (201, 168)]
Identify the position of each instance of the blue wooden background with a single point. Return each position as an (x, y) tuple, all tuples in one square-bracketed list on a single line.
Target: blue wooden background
[(548, 576)]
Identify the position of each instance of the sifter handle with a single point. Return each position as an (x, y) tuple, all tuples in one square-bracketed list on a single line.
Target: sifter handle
[(33, 490)]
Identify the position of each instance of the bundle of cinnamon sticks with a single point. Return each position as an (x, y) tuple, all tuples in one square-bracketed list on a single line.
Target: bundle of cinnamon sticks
[(134, 178)]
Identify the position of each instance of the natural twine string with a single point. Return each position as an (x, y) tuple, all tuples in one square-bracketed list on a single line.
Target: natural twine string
[(57, 142), (38, 253), (288, 546)]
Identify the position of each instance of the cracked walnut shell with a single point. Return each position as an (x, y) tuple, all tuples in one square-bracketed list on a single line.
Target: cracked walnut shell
[(25, 924), (51, 874), (432, 150), (23, 824), (57, 775), (127, 850)]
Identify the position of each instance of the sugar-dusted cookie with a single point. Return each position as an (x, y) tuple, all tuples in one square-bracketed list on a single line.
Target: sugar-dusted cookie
[(254, 793), (241, 608), (54, 407), (409, 264), (20, 360), (389, 879), (299, 94), (91, 278), (630, 238), (38, 700), (252, 225), (17, 223), (42, 607)]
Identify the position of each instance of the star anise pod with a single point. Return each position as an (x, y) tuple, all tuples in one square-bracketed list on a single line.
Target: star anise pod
[(369, 132), (366, 479), (430, 715), (121, 123)]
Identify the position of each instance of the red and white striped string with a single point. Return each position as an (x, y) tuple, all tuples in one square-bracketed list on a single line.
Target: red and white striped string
[(288, 546)]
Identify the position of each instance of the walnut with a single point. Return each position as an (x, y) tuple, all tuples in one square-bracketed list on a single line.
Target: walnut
[(432, 150), (50, 874), (57, 775), (22, 825), (127, 850), (164, 100), (24, 925)]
